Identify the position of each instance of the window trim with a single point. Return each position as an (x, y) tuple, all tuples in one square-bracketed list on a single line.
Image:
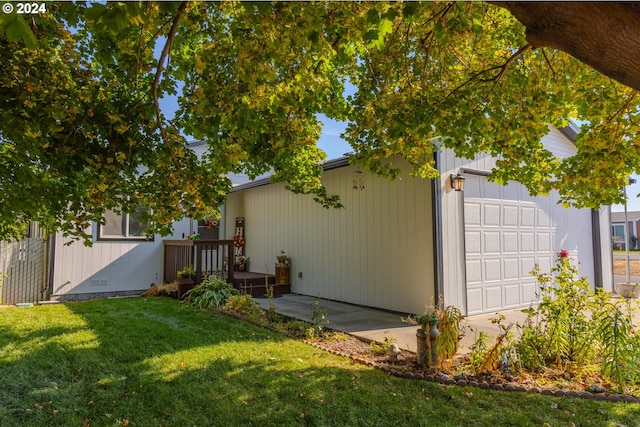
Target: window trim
[(613, 230), (125, 227)]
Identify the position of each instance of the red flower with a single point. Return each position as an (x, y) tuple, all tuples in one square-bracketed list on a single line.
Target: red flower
[(563, 254)]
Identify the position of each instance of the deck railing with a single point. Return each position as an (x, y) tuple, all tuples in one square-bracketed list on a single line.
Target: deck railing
[(208, 257)]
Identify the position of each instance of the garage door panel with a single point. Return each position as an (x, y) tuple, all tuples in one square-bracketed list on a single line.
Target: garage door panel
[(491, 242), (508, 232), (545, 264), (493, 298), (491, 215), (544, 241), (527, 216), (492, 270), (510, 216), (544, 221), (527, 241), (511, 268), (510, 241), (474, 301), (474, 271), (529, 290), (512, 295), (472, 213), (473, 242), (527, 264)]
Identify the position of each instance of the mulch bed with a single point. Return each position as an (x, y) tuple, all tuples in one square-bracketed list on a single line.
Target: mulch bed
[(406, 366), (550, 382)]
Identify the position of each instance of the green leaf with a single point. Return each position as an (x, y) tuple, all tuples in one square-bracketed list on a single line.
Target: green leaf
[(95, 11), (384, 27), (409, 9), (16, 29)]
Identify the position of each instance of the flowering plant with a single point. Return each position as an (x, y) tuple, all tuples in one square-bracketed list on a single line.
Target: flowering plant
[(283, 259), (238, 240), (210, 222), (187, 271), (563, 254)]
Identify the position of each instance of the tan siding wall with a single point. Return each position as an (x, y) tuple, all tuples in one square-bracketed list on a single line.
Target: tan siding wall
[(376, 251), (109, 266)]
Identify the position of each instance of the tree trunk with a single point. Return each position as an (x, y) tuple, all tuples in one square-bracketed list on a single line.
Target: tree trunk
[(605, 36)]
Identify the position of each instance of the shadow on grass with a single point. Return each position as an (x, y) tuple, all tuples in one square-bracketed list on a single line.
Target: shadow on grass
[(154, 362)]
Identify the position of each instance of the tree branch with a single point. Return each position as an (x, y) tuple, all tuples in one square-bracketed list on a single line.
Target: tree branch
[(546, 58), (624, 106), (504, 67), (163, 56)]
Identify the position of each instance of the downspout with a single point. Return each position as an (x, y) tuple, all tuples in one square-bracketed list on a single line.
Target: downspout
[(597, 248), (436, 215), (51, 259)]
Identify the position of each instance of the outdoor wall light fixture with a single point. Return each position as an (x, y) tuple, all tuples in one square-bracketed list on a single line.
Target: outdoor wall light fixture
[(457, 181)]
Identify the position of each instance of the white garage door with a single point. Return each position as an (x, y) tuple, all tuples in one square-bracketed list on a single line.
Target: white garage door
[(507, 233)]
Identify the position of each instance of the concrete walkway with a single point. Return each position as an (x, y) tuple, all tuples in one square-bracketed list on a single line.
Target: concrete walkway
[(375, 324)]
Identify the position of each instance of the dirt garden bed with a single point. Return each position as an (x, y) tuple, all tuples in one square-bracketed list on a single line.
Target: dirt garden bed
[(549, 382), (457, 371)]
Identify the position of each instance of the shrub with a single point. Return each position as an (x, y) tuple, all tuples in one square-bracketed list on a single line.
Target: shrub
[(162, 289), (449, 338), (564, 332), (572, 329), (213, 292), (298, 328), (619, 346), (245, 305)]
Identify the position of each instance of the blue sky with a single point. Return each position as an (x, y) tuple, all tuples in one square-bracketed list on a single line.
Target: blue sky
[(632, 197)]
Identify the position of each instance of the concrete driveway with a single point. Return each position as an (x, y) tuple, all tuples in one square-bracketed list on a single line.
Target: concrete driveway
[(375, 324)]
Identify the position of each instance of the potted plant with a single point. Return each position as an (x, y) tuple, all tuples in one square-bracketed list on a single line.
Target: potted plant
[(282, 269), (426, 336), (628, 290), (427, 320), (185, 279), (241, 263)]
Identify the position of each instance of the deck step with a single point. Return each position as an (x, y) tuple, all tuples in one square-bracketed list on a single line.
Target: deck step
[(254, 284)]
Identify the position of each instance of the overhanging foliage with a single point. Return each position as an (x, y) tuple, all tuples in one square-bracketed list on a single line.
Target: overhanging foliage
[(82, 130)]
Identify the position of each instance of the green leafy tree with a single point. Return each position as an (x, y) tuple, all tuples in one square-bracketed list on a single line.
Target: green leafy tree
[(82, 130)]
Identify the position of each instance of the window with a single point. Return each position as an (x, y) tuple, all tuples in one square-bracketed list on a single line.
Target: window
[(618, 231), (123, 226), (617, 236)]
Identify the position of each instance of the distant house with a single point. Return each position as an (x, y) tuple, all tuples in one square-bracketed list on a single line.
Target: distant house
[(617, 229)]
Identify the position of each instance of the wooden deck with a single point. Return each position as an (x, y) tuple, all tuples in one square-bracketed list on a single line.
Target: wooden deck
[(255, 284), (211, 257)]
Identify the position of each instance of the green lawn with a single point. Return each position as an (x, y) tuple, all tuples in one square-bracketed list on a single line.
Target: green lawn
[(155, 362)]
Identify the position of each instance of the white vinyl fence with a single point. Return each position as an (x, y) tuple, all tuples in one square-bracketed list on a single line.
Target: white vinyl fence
[(23, 270)]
